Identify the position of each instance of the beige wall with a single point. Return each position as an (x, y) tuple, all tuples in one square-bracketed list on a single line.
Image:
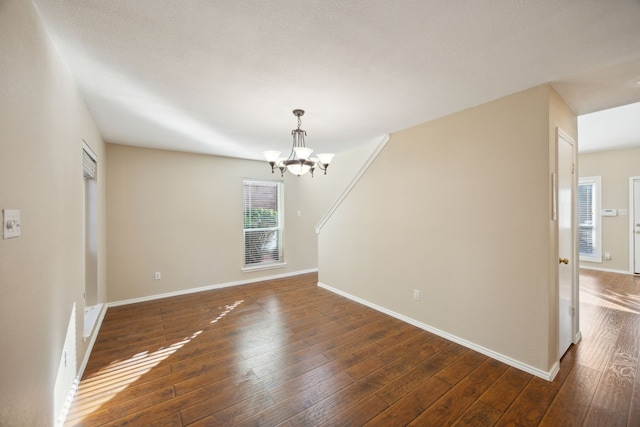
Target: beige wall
[(459, 208), (181, 214), (43, 122), (615, 168)]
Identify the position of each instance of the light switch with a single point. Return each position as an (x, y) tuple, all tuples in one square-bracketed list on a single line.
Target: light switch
[(11, 225)]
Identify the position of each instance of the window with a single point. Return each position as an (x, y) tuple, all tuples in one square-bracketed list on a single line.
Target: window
[(263, 223), (589, 230)]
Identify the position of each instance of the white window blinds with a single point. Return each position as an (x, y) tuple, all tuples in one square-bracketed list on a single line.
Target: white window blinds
[(88, 165), (589, 231), (263, 219)]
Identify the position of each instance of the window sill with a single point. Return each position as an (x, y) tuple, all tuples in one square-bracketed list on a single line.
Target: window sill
[(264, 267)]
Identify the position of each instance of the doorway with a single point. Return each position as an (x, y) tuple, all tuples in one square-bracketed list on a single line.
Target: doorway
[(634, 224), (89, 173)]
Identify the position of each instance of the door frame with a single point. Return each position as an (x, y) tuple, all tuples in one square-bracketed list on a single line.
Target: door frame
[(575, 288), (90, 186), (632, 225)]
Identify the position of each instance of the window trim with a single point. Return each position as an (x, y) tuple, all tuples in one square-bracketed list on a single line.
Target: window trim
[(596, 182), (265, 265)]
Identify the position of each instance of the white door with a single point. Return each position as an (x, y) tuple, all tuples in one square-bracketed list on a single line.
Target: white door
[(565, 242), (636, 223)]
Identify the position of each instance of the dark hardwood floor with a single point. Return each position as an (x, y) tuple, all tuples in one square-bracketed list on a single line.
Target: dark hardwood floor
[(288, 353)]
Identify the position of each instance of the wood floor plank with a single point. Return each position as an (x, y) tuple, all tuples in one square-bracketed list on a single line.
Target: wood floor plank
[(276, 360), (286, 352), (403, 331), (124, 408), (479, 414), (380, 360), (573, 399), (405, 410), (597, 341), (359, 413), (429, 347), (188, 381), (226, 395), (330, 407), (461, 367), (292, 404), (503, 392), (277, 352), (156, 414), (88, 402), (342, 331), (454, 403), (232, 415), (405, 384), (634, 407), (612, 399), (364, 336), (287, 373), (530, 405)]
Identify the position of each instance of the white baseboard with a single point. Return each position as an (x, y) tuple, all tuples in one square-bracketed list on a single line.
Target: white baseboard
[(607, 270), (487, 352), (209, 288), (577, 337), (71, 393)]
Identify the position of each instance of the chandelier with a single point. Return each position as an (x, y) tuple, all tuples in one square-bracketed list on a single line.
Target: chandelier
[(299, 161)]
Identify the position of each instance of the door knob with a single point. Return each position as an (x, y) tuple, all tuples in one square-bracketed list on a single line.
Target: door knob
[(564, 261)]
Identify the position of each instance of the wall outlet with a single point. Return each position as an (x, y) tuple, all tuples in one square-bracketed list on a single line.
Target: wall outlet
[(416, 295), (607, 255), (157, 276)]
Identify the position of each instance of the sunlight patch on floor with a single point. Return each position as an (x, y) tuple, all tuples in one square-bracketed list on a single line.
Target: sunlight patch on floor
[(103, 386), (609, 299)]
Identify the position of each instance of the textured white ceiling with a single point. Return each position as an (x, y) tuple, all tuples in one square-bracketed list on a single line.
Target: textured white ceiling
[(613, 128), (221, 77)]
